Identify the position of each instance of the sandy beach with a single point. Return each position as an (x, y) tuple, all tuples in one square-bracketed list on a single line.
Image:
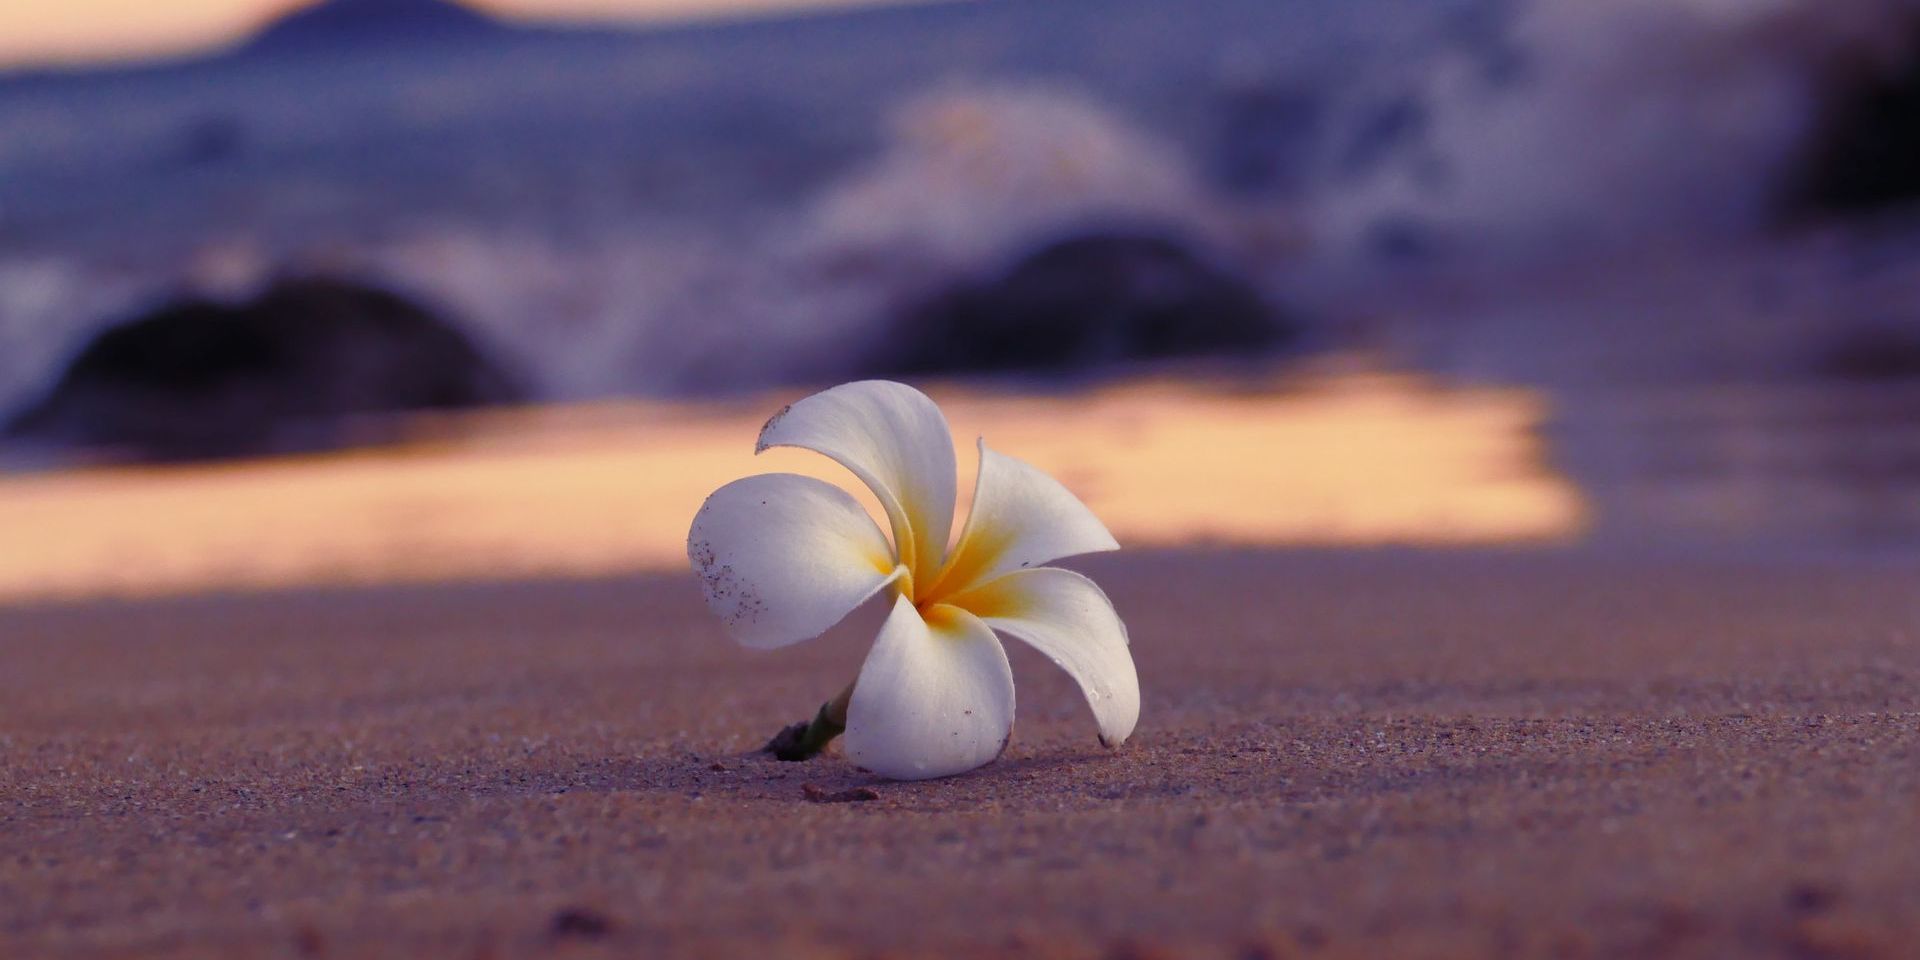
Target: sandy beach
[(1342, 753), (1510, 411)]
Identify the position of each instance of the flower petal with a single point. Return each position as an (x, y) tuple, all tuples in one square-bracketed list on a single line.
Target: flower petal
[(934, 698), (783, 557), (1067, 617), (896, 441), (1021, 517)]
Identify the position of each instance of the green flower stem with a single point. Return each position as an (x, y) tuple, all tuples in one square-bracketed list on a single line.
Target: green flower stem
[(805, 740)]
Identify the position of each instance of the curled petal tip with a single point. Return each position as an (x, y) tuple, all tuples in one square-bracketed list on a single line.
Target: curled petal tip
[(760, 444)]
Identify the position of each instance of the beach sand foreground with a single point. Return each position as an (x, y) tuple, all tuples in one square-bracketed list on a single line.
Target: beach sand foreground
[(1482, 753)]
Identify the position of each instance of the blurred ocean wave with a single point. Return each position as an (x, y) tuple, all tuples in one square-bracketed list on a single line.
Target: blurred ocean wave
[(1585, 197), (699, 208)]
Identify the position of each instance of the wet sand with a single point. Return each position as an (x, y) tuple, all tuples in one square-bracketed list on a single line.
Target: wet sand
[(1544, 753), (1331, 456)]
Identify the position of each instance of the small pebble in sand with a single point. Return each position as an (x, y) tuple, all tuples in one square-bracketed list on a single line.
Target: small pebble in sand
[(1810, 897), (581, 923), (819, 794)]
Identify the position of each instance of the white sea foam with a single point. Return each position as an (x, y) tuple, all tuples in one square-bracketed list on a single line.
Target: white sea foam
[(1625, 118)]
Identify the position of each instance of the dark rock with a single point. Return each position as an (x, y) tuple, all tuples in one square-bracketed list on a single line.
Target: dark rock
[(339, 24), (1087, 302), (579, 923), (1860, 155), (1870, 354), (198, 379)]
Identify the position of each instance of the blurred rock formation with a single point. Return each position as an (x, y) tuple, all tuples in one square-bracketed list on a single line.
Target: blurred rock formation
[(290, 370), (1085, 302)]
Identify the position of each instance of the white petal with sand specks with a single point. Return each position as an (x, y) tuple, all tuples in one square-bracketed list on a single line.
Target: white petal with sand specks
[(782, 557)]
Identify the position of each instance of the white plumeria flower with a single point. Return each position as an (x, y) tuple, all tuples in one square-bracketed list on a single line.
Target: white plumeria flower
[(783, 557)]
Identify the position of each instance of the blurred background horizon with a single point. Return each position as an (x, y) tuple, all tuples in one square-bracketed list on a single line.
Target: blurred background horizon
[(1427, 272), (106, 33)]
